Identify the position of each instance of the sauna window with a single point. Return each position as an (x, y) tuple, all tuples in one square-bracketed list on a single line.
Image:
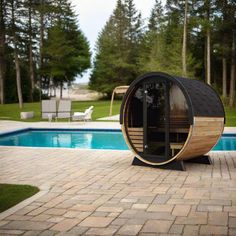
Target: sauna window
[(155, 143), (135, 108), (167, 124), (179, 121)]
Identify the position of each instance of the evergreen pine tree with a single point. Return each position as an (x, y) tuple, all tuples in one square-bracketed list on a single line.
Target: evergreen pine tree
[(66, 49), (173, 38), (117, 49), (151, 54)]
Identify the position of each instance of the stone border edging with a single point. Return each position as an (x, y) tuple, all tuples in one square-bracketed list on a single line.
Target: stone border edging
[(22, 204)]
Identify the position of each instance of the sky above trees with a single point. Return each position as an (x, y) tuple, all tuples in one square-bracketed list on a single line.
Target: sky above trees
[(92, 16)]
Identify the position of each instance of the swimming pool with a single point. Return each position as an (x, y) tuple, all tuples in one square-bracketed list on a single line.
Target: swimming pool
[(64, 138), (85, 138), (227, 142)]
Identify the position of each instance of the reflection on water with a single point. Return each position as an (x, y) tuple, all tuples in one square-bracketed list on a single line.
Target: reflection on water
[(86, 139), (226, 143), (67, 139)]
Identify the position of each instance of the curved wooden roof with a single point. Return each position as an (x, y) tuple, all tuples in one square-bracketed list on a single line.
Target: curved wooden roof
[(202, 99)]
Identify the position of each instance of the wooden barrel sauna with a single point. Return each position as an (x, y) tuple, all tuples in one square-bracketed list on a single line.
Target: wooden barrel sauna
[(166, 118)]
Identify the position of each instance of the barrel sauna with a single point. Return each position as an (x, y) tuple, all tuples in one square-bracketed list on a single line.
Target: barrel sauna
[(167, 119)]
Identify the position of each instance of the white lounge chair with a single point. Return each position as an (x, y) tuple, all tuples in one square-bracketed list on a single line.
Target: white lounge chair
[(48, 109), (64, 109), (87, 115)]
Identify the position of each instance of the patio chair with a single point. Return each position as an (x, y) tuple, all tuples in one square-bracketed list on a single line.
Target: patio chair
[(64, 109), (85, 116), (48, 109)]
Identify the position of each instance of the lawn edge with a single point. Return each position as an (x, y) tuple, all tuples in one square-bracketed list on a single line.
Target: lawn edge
[(23, 204)]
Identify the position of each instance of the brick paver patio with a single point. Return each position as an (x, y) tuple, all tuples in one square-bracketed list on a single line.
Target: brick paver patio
[(96, 192)]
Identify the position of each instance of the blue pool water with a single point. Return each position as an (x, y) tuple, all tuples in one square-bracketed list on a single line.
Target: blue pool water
[(87, 139), (227, 142)]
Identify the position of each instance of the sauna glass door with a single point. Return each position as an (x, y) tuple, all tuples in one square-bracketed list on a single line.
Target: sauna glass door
[(156, 119)]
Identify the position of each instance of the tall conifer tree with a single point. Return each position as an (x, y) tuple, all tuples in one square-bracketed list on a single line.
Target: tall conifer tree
[(117, 49), (66, 49)]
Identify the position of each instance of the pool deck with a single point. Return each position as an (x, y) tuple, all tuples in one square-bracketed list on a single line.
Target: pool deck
[(99, 192)]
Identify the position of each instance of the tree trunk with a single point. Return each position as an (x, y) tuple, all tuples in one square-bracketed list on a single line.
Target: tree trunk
[(41, 36), (2, 51), (232, 74), (208, 43), (184, 46), (224, 77), (41, 45), (31, 72), (224, 49), (31, 63), (18, 79), (208, 60), (17, 63), (61, 89)]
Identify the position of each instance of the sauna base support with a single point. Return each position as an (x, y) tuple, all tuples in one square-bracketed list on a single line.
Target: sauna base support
[(201, 160), (173, 165)]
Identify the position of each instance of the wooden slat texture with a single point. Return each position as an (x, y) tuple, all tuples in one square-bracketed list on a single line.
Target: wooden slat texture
[(137, 141), (133, 137), (138, 145), (136, 137), (139, 149), (138, 133), (204, 135), (176, 145), (135, 129)]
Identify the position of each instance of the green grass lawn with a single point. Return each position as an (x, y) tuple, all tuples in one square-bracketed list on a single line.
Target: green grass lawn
[(230, 116), (101, 109), (11, 194)]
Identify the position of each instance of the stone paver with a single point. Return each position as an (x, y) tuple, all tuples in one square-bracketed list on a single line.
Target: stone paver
[(232, 222), (130, 229), (209, 230), (41, 217), (84, 207), (55, 211), (11, 232), (181, 210), (176, 229), (3, 222), (109, 209), (27, 225), (37, 211), (48, 233), (140, 206), (65, 225), (157, 226), (78, 230), (191, 230), (209, 208), (218, 218), (32, 233), (161, 208), (101, 231), (192, 219), (93, 221), (99, 192)]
